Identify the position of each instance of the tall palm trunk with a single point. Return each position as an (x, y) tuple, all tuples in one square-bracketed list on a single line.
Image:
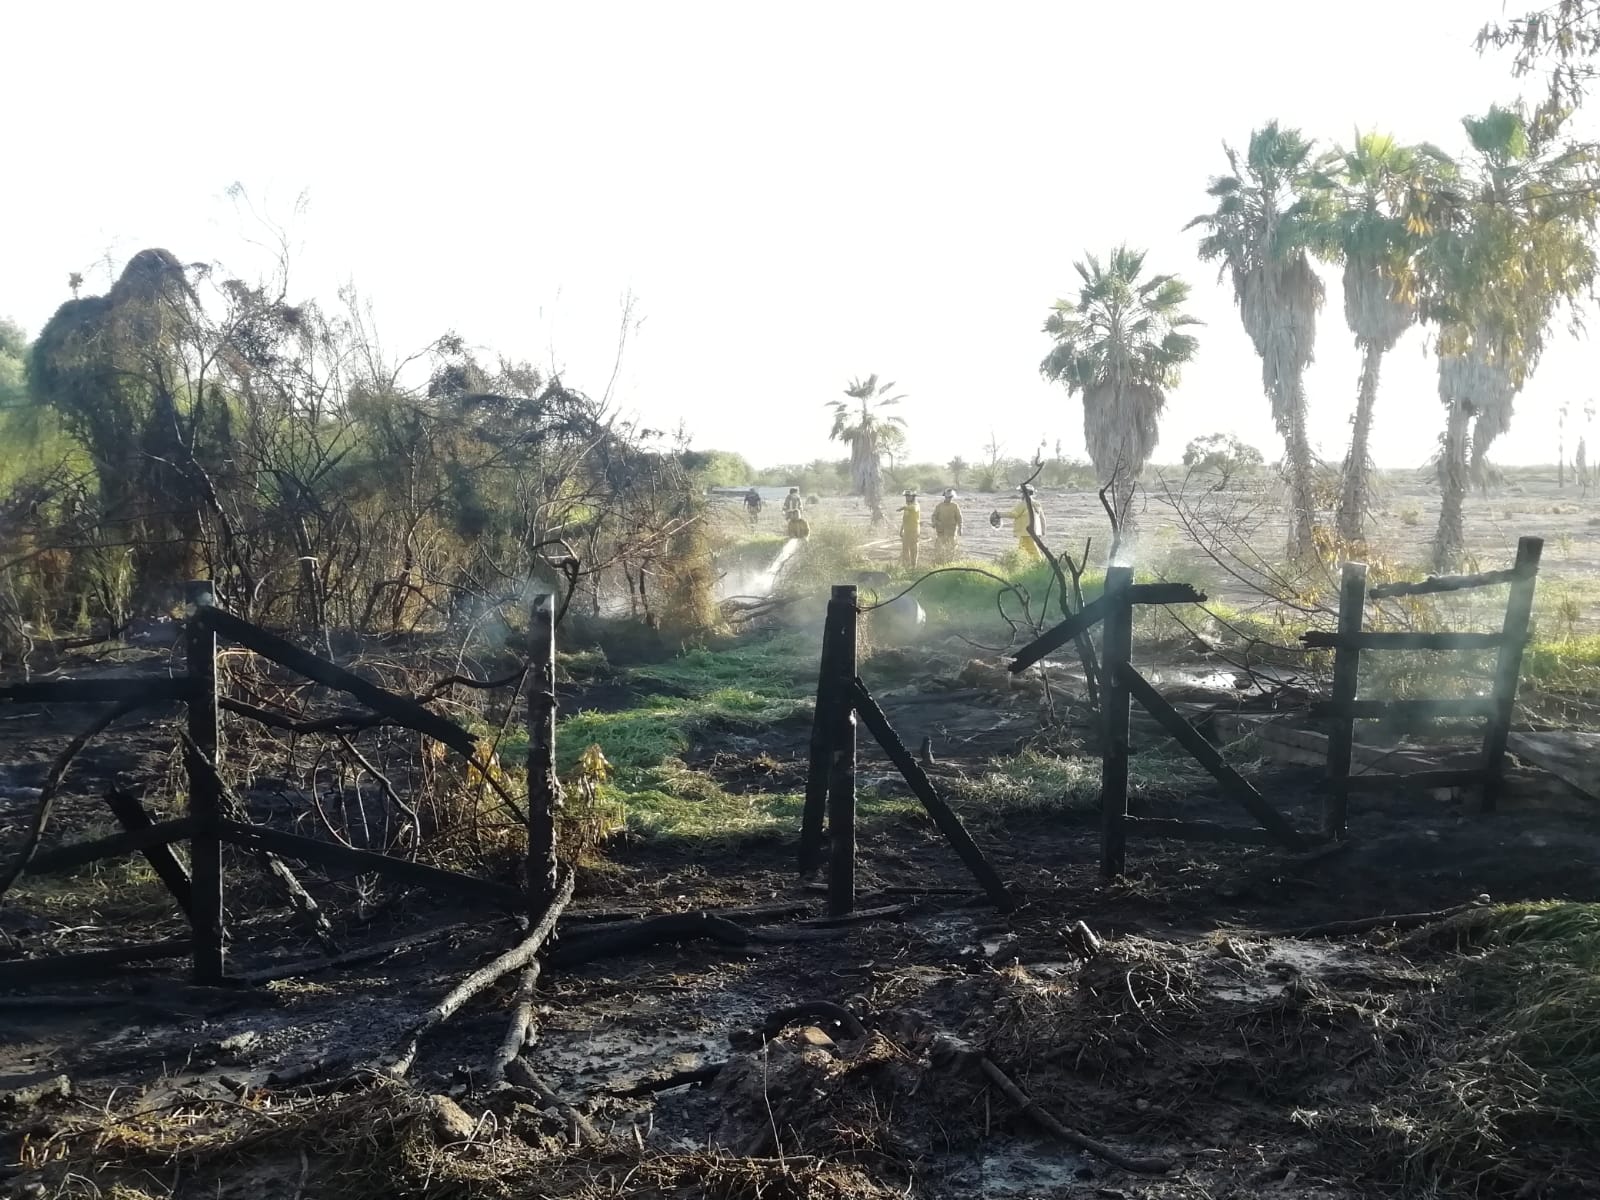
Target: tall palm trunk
[(1356, 493), (1302, 502), (872, 482), (1126, 525), (1449, 540), (1489, 424), (1472, 382)]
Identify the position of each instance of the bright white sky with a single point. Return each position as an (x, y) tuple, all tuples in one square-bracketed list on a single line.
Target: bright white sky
[(796, 194)]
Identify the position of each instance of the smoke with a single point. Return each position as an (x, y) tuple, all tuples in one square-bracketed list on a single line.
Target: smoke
[(756, 582), (1127, 554)]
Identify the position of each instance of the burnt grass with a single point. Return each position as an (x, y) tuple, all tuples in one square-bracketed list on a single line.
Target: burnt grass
[(1200, 1026)]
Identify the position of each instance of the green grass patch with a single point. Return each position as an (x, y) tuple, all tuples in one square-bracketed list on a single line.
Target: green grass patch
[(660, 728), (739, 688), (1567, 664), (782, 665), (1033, 779), (672, 801), (1036, 780), (122, 890)]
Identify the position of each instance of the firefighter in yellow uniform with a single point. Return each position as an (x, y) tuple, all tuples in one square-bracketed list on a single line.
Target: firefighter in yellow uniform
[(798, 526), (1019, 523), (946, 527), (910, 527)]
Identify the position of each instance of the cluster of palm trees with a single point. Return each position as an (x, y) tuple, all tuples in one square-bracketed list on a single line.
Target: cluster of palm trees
[(1486, 251)]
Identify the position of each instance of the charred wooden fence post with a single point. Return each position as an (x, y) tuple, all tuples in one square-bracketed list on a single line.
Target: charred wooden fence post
[(544, 787), (1115, 652), (1346, 677), (822, 722), (841, 631), (205, 796), (1514, 633)]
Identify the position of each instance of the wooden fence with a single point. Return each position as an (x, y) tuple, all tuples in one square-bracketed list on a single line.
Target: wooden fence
[(216, 817), (1121, 684), (1351, 639)]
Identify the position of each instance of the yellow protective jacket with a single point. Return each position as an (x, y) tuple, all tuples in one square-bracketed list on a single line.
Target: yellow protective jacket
[(947, 518), (910, 521), (1019, 521)]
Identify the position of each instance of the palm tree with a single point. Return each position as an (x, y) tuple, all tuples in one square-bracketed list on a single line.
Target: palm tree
[(1120, 345), (1363, 211), (870, 434), (1520, 170), (1511, 246), (1260, 232)]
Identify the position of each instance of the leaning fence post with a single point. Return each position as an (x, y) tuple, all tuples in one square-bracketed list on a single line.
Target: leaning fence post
[(1508, 671), (205, 794), (841, 631), (1116, 650), (1346, 678), (544, 787)]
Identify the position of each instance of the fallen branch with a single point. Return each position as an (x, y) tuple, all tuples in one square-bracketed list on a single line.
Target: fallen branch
[(950, 1048), (859, 917), (521, 1025), (813, 1010), (482, 685), (652, 931), (403, 710), (313, 966), (665, 1083), (523, 1075), (88, 963), (1413, 920), (518, 956), (349, 719)]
